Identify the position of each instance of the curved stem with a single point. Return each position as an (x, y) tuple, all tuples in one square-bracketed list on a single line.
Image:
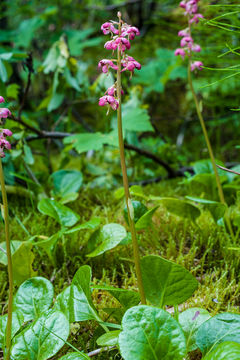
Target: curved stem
[(125, 180), (9, 258), (205, 133)]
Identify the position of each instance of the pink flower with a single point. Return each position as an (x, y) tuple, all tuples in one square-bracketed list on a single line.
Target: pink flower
[(108, 27), (180, 52), (133, 31), (105, 64), (196, 48), (2, 99), (6, 132), (129, 63), (125, 44), (191, 7), (5, 144), (184, 32), (110, 45), (196, 65), (186, 41), (196, 18), (4, 113), (108, 100)]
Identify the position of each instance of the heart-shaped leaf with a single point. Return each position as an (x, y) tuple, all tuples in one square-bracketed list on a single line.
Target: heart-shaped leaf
[(34, 297), (41, 339), (22, 260), (190, 320), (108, 237), (15, 244), (165, 282), (89, 225), (61, 213), (220, 328), (151, 334), (225, 351)]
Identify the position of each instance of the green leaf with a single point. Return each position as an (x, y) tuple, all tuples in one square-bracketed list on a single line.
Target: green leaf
[(88, 141), (81, 307), (34, 297), (75, 356), (146, 220), (139, 210), (42, 339), (151, 334), (226, 351), (107, 238), (136, 119), (12, 91), (109, 339), (61, 213), (89, 225), (66, 181), (127, 298), (216, 208), (220, 328), (190, 320), (17, 321), (28, 156), (181, 208), (48, 244), (62, 302), (3, 71), (22, 260), (15, 244), (165, 282)]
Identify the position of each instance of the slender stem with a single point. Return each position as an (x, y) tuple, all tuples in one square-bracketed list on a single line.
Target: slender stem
[(125, 180), (9, 258), (205, 133)]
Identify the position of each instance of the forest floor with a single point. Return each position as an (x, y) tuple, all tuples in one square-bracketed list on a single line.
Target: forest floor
[(202, 248)]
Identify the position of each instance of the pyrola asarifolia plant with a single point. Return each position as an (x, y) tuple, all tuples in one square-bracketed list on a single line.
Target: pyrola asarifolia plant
[(121, 34), (4, 144), (187, 49)]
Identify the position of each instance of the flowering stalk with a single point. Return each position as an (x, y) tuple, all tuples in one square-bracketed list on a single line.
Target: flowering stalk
[(113, 99), (187, 49), (4, 144)]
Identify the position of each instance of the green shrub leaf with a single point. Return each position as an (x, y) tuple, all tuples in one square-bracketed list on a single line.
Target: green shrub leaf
[(225, 351)]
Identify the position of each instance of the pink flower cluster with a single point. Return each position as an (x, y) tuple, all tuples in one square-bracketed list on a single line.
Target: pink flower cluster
[(4, 144), (119, 42), (187, 42)]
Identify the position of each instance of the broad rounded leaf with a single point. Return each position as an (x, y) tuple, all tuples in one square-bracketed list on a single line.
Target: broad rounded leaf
[(41, 339), (75, 356), (190, 320), (66, 181), (181, 208), (225, 351), (150, 333), (220, 328), (216, 208), (165, 282), (108, 237), (34, 297), (61, 213)]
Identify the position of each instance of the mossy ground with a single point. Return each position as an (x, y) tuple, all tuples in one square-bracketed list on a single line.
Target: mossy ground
[(202, 248)]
